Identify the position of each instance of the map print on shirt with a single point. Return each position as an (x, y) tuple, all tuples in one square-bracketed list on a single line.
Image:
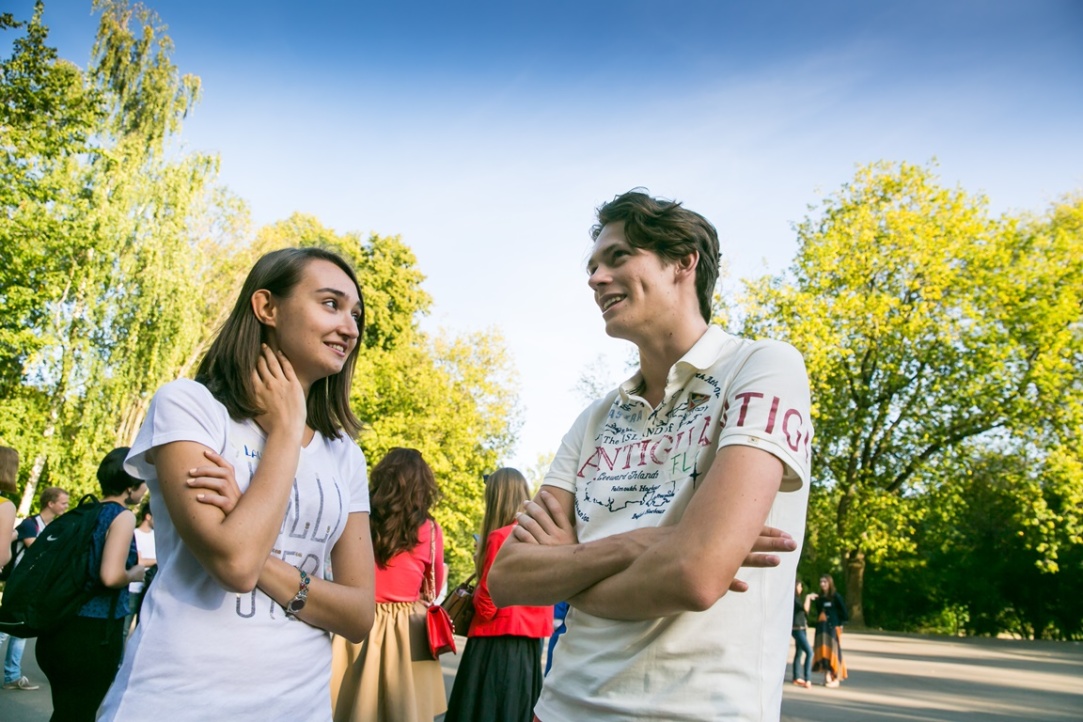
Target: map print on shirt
[(642, 462)]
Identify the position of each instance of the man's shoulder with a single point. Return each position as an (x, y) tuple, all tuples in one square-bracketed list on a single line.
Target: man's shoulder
[(729, 348)]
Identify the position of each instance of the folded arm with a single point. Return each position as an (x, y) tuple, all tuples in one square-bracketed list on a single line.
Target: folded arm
[(653, 571), (543, 563), (345, 606), (233, 547), (692, 568)]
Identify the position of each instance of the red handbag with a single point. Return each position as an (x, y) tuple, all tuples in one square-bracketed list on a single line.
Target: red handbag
[(441, 634), (438, 628)]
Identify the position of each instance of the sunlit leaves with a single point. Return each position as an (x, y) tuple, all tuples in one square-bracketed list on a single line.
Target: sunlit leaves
[(926, 324)]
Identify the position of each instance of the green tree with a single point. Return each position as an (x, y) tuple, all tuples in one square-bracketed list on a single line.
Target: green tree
[(1001, 545), (112, 259), (925, 325)]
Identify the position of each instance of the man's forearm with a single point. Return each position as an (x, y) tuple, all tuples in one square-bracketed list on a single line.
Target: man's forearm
[(647, 589), (535, 574)]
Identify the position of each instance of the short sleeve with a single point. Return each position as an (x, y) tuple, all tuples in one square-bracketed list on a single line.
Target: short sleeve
[(564, 470), (27, 529), (768, 406), (358, 477), (182, 410)]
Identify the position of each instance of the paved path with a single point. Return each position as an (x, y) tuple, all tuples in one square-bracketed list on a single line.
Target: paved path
[(946, 679), (893, 677)]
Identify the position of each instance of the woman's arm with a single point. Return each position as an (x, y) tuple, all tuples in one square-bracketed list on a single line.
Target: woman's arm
[(345, 606), (7, 530), (439, 568), (484, 608), (114, 572), (843, 613), (234, 547)]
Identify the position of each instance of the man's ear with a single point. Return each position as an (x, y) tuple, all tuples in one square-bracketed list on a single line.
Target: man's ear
[(264, 307), (686, 265)]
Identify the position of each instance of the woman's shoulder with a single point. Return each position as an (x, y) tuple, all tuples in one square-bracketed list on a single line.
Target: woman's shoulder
[(188, 388), (343, 449), (112, 509), (187, 395)]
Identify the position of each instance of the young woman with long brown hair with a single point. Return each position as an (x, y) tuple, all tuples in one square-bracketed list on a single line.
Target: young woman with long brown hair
[(255, 483), (499, 677), (378, 680)]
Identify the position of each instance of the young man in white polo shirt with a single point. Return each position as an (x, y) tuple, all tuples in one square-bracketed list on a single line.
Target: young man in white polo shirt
[(660, 492)]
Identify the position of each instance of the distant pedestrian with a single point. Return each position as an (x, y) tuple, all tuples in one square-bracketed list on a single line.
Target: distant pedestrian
[(801, 673), (144, 545), (81, 656), (831, 614), (53, 502), (500, 676)]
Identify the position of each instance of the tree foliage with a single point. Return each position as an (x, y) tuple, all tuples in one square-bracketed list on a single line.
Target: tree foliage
[(927, 326), (111, 259), (121, 257)]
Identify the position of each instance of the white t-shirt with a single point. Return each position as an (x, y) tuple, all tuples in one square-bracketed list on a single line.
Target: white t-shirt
[(144, 545), (631, 466), (199, 651)]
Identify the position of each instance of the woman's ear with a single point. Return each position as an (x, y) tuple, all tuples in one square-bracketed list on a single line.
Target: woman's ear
[(264, 307)]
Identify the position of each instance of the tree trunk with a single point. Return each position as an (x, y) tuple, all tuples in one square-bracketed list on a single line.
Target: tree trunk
[(31, 485), (855, 583)]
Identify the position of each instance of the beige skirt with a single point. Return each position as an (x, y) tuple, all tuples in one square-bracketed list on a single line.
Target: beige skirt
[(376, 681)]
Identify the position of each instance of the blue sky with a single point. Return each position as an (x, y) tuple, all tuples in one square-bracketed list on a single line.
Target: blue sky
[(485, 133)]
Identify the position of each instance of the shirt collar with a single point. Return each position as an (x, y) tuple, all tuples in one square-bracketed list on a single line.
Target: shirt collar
[(700, 357)]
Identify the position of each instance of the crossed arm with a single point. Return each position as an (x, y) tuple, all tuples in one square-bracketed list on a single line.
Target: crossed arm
[(233, 534), (649, 572)]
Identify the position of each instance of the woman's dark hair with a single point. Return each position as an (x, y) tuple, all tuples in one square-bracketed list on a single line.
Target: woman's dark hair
[(227, 368), (402, 489), (144, 510), (505, 491), (112, 478), (669, 230)]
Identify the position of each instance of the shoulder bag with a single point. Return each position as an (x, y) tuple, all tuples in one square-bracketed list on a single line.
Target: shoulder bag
[(431, 633)]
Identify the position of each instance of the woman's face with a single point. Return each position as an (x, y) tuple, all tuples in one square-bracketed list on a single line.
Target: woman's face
[(823, 585), (798, 587), (316, 325)]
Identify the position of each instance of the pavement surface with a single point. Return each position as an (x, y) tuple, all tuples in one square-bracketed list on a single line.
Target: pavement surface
[(892, 677)]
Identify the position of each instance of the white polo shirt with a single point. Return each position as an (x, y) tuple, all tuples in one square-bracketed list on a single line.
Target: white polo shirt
[(632, 466)]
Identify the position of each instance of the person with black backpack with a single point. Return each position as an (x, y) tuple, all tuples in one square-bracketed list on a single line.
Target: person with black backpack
[(53, 502), (81, 655)]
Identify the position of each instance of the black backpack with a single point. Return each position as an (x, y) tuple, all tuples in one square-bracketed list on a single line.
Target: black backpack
[(57, 575)]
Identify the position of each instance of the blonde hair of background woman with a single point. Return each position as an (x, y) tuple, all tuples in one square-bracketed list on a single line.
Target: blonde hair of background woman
[(505, 491)]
